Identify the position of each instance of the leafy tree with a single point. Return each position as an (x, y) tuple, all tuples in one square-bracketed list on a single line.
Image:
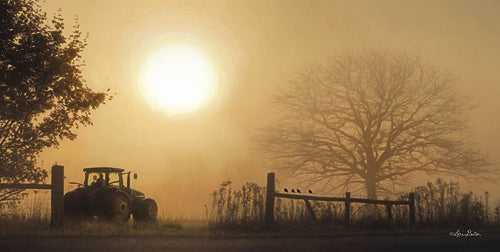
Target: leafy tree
[(371, 120), (43, 95)]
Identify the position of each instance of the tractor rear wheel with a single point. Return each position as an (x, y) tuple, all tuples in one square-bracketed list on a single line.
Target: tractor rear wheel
[(76, 204), (120, 207)]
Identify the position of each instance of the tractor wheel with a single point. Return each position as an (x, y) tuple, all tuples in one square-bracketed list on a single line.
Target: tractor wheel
[(76, 205), (120, 207), (151, 209), (145, 210)]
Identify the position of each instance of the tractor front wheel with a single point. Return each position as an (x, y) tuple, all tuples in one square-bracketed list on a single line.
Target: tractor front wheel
[(146, 210)]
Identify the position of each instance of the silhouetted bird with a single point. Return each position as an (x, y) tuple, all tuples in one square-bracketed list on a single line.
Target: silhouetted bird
[(310, 191), (293, 191), (286, 190), (298, 190)]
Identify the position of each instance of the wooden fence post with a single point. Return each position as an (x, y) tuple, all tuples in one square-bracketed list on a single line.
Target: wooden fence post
[(310, 209), (347, 212), (389, 212), (271, 189), (412, 210), (57, 195)]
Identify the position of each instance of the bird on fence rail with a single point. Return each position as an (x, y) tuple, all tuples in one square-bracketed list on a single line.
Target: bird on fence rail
[(298, 190), (310, 191), (286, 190), (293, 191)]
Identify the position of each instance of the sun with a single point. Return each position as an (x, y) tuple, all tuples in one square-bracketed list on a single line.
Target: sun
[(178, 80)]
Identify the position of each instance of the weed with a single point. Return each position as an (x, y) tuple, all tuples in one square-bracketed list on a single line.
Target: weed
[(438, 205)]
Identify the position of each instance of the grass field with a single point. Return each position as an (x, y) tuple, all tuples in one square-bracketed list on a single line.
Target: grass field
[(440, 207)]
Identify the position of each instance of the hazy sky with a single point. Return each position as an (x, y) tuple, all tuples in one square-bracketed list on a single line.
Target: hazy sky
[(254, 47)]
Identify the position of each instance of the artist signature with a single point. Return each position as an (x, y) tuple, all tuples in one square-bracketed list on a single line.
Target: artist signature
[(469, 233)]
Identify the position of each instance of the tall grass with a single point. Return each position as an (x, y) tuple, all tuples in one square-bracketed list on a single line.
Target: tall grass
[(438, 205), (244, 207), (28, 215), (31, 216), (442, 204)]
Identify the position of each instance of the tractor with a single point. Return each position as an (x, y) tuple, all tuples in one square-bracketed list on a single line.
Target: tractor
[(104, 195)]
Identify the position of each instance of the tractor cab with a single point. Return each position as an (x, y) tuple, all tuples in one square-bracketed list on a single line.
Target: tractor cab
[(104, 177)]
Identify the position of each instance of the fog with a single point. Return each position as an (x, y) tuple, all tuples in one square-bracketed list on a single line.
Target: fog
[(255, 46)]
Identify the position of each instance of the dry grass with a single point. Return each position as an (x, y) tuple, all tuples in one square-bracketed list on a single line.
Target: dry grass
[(27, 216), (31, 216), (95, 227), (441, 204), (438, 205)]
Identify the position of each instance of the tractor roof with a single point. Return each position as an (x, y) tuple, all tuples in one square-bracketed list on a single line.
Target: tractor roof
[(103, 169)]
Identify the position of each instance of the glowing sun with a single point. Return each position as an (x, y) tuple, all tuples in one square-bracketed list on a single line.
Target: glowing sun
[(178, 80)]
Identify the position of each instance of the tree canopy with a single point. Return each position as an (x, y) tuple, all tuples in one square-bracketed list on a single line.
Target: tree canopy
[(371, 120), (43, 95)]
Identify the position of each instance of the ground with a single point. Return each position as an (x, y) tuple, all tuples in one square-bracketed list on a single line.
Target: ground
[(374, 242)]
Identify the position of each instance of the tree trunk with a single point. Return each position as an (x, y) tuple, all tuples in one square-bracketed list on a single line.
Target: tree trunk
[(371, 187), (371, 171), (371, 191)]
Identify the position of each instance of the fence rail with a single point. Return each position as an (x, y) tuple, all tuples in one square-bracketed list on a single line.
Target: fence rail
[(271, 194), (327, 198), (25, 186), (56, 196)]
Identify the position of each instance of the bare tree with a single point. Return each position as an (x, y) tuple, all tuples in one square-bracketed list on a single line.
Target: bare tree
[(369, 121)]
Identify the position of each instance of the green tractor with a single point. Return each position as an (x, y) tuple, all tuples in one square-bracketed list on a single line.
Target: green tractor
[(103, 194)]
